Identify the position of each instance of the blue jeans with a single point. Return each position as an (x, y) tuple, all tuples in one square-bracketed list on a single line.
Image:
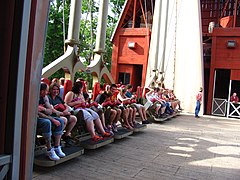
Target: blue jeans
[(45, 127), (197, 109)]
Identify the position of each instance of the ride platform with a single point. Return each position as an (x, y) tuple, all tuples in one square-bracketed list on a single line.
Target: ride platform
[(71, 152), (139, 127), (122, 133), (90, 144), (166, 118)]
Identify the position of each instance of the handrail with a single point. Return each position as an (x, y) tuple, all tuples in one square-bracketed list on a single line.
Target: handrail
[(5, 160)]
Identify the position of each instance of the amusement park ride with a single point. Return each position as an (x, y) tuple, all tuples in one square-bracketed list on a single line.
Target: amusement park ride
[(186, 45)]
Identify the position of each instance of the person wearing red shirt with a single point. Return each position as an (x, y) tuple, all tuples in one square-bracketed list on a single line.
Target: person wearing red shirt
[(234, 98), (199, 102)]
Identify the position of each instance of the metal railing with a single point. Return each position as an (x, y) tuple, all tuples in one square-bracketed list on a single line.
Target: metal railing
[(233, 110), (5, 160), (219, 107)]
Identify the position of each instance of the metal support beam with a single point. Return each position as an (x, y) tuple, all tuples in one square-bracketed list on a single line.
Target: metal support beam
[(102, 26)]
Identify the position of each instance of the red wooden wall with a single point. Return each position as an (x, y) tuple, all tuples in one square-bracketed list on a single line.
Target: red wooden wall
[(125, 59), (223, 57)]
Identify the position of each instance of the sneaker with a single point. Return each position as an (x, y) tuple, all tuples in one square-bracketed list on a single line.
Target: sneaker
[(96, 138), (59, 152), (52, 155), (106, 129), (106, 134), (146, 122), (164, 115), (114, 128), (68, 141)]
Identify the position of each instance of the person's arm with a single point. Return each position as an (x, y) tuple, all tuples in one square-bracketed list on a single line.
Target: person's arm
[(149, 92), (68, 99), (54, 121), (47, 103), (122, 98)]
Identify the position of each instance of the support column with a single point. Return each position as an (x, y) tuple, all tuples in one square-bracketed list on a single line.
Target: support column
[(74, 22), (102, 26)]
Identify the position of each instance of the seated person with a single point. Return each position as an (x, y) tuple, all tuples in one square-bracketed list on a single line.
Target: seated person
[(45, 122), (234, 98), (174, 101), (109, 112), (76, 100), (158, 106), (126, 104), (61, 108), (164, 100), (61, 82), (109, 101), (140, 107)]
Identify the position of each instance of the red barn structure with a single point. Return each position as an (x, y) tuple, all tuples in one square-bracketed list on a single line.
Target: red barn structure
[(131, 43), (219, 51)]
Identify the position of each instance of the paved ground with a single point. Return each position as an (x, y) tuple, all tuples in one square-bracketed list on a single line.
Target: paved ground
[(181, 148)]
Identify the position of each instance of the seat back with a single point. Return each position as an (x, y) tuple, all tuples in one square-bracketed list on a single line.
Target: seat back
[(96, 90), (67, 87), (46, 80)]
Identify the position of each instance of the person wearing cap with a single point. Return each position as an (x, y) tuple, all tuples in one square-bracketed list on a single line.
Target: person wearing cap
[(199, 102)]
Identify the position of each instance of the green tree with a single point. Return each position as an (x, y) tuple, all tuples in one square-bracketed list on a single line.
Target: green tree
[(54, 46)]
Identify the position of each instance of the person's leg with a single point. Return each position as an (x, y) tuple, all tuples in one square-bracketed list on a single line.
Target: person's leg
[(116, 119), (125, 118), (89, 122), (140, 111), (99, 126), (130, 116), (144, 112), (90, 128), (71, 123), (57, 133), (163, 109), (113, 114), (65, 121), (174, 104), (97, 122), (134, 114), (197, 109), (118, 116), (44, 125), (102, 118), (158, 107)]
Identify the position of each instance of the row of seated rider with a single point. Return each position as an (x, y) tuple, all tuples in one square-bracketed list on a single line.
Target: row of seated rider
[(164, 102), (54, 112), (84, 110), (113, 115), (82, 126), (120, 108), (115, 109)]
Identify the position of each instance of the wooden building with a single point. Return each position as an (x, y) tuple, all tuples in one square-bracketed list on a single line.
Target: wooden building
[(220, 23), (221, 37), (131, 43)]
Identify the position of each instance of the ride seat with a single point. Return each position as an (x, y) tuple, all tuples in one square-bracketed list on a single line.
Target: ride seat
[(96, 90), (67, 87), (46, 80)]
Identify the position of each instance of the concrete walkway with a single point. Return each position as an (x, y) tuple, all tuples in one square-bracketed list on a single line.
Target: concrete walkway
[(181, 148)]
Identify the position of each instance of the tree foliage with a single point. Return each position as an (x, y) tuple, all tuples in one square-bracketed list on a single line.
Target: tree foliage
[(54, 46)]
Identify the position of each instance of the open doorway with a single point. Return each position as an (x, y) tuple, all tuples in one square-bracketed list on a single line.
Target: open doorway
[(233, 101), (221, 92), (124, 78), (137, 76)]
